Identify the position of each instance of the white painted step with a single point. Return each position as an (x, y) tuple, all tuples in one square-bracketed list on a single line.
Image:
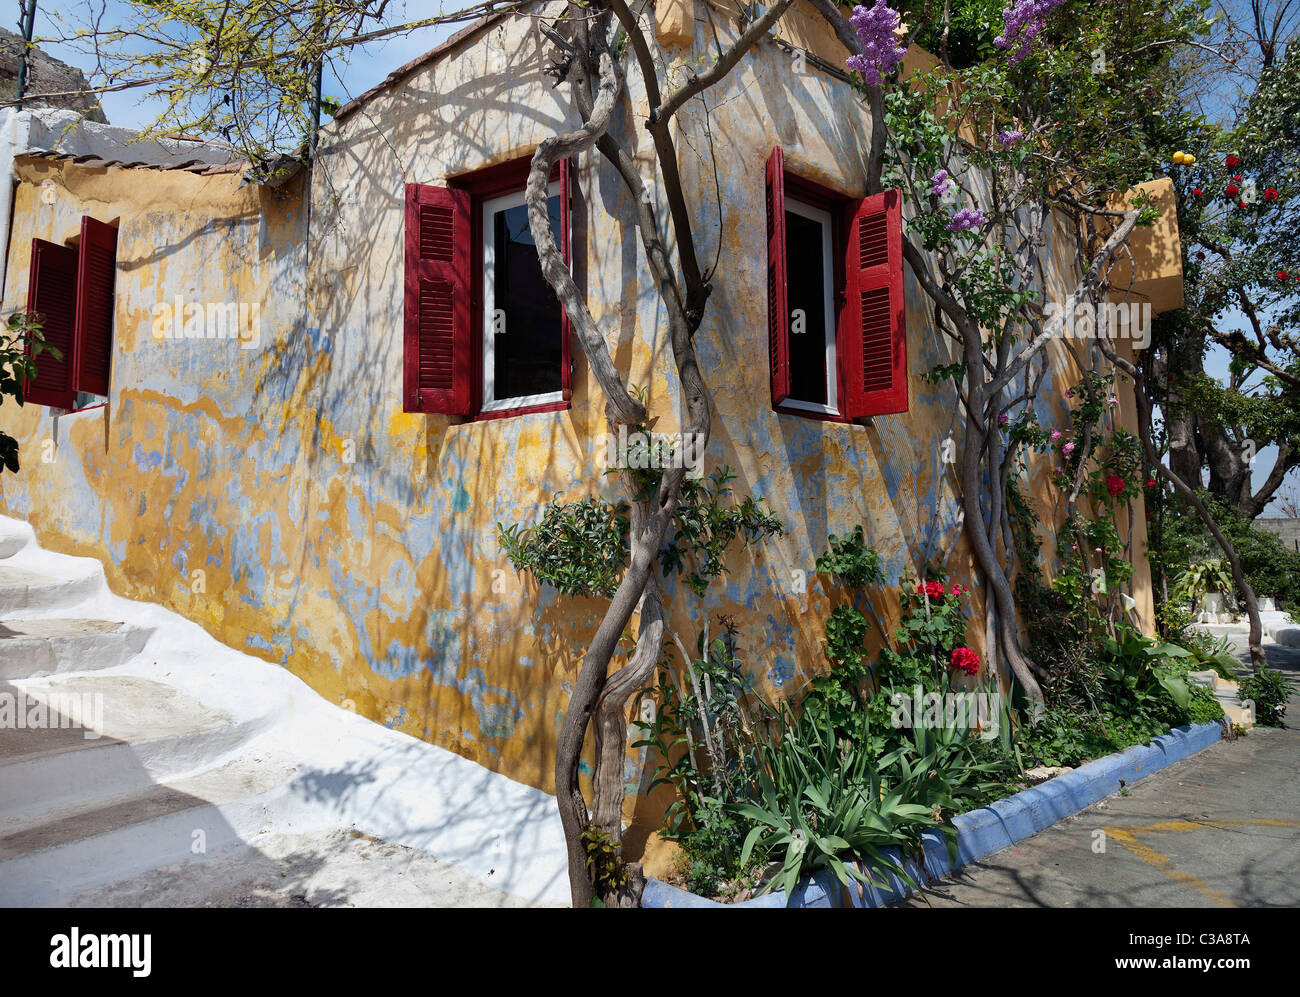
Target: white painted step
[(166, 824), (197, 736), (24, 589), (30, 648), (104, 736), (14, 536)]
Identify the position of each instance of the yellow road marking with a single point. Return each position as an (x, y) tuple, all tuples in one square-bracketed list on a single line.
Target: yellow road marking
[(1128, 837)]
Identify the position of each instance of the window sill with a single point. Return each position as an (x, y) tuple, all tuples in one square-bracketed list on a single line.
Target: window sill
[(804, 413), (507, 413)]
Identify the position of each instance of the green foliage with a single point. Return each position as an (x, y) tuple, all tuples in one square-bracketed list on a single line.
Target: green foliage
[(851, 561), (21, 343), (700, 733), (604, 860), (708, 520), (822, 804), (1204, 707), (1269, 691), (1199, 580), (580, 548), (1271, 568)]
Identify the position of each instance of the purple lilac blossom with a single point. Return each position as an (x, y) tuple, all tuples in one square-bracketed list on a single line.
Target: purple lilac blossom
[(880, 51), (1022, 22), (1009, 138), (940, 183), (967, 218)]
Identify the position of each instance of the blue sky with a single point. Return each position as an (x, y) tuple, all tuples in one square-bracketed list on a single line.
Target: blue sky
[(366, 65)]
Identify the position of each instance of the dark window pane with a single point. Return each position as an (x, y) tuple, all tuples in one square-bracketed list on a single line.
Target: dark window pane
[(806, 324), (526, 344)]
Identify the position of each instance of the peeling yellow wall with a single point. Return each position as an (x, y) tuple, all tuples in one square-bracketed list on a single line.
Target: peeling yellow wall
[(354, 543)]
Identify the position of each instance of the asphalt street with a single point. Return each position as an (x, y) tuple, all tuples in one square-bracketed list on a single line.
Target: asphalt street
[(1219, 829)]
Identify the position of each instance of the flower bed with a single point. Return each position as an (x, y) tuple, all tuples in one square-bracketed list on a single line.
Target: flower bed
[(984, 831)]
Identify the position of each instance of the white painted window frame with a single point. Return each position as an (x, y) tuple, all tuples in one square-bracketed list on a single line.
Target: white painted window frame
[(822, 217), (490, 402)]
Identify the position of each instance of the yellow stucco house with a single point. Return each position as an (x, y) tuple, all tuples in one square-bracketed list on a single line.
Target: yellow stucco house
[(297, 421)]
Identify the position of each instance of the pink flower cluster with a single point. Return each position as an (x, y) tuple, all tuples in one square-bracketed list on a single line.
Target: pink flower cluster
[(880, 50), (1022, 22)]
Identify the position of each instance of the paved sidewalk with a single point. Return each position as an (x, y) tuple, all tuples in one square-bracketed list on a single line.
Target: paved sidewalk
[(1220, 829)]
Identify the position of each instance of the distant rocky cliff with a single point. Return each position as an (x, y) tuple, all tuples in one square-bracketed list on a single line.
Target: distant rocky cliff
[(44, 75)]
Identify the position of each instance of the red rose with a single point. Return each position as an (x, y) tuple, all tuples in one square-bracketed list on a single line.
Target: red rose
[(1115, 485), (1196, 192), (1281, 275), (1231, 161), (1151, 482), (1200, 256), (1236, 178), (1233, 190), (1270, 194), (966, 660)]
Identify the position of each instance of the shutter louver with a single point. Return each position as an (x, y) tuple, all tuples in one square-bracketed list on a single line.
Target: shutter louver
[(875, 328), (52, 294), (778, 310), (437, 346), (96, 274)]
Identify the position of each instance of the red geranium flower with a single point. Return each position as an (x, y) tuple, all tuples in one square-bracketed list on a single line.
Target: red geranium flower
[(1231, 161), (1233, 190), (933, 589), (1115, 485), (1270, 194), (966, 660)]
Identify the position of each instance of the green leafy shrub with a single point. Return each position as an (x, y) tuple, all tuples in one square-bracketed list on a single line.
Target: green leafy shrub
[(1268, 690), (580, 548), (1204, 707)]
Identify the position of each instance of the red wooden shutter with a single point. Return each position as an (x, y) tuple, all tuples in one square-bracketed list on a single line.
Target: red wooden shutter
[(437, 343), (874, 331), (566, 238), (96, 273), (52, 294), (778, 307)]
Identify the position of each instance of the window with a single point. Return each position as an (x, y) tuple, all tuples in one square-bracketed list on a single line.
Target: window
[(836, 315), (485, 336), (71, 288)]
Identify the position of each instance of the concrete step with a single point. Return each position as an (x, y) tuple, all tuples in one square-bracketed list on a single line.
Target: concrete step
[(178, 823), (36, 647), (30, 591), (14, 536), (88, 738)]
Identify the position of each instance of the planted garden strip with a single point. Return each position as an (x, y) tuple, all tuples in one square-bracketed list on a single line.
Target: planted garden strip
[(989, 829)]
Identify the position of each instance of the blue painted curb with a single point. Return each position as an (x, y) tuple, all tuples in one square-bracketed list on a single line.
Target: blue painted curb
[(982, 832)]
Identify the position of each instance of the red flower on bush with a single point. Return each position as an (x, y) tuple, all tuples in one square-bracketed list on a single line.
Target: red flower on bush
[(1270, 194), (1115, 485), (1236, 178), (1233, 190), (966, 660), (1197, 192), (1281, 275), (933, 589), (1231, 161), (1151, 482)]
